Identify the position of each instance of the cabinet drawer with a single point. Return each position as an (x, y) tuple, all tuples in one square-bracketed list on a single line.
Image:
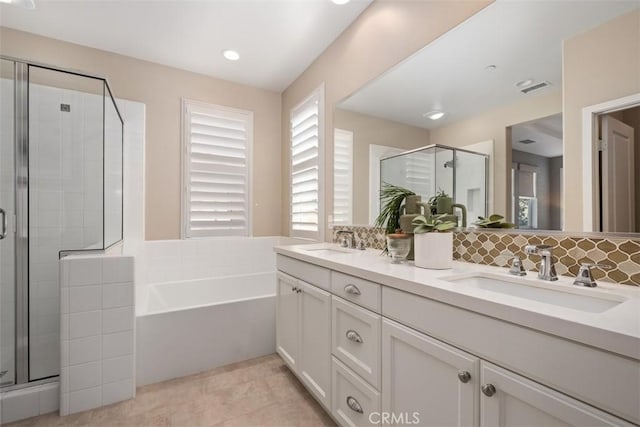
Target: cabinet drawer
[(594, 376), (355, 339), (356, 290), (318, 276), (353, 400)]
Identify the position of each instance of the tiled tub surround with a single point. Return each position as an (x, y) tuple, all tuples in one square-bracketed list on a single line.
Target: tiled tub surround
[(498, 247), (97, 332)]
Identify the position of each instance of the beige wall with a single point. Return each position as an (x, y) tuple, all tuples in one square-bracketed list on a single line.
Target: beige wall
[(599, 65), (369, 130), (493, 125), (161, 89), (383, 35)]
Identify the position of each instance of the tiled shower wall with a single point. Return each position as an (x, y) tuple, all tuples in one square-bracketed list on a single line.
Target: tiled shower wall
[(497, 248)]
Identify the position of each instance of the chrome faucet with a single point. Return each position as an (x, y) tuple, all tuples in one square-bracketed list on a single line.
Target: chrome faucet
[(547, 268), (351, 243), (584, 277)]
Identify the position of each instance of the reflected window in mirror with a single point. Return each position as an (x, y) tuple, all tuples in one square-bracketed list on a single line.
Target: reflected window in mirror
[(342, 177)]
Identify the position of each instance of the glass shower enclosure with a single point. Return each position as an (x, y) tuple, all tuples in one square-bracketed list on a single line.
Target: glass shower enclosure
[(462, 174), (61, 165)]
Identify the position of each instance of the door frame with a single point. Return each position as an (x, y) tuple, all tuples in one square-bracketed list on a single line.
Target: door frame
[(590, 180)]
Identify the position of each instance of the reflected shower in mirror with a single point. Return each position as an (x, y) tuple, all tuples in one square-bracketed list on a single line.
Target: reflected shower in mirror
[(480, 85)]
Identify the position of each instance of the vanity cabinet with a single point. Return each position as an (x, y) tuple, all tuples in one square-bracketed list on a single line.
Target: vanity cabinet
[(508, 399), (428, 379), (303, 333), (373, 354)]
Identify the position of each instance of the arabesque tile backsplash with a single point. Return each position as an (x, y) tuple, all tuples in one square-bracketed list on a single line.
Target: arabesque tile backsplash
[(497, 248)]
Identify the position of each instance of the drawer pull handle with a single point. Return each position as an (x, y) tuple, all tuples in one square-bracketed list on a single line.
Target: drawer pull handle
[(354, 336), (354, 405), (464, 376), (352, 289), (488, 390)]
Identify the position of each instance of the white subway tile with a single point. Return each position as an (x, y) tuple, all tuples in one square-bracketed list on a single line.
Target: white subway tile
[(85, 271), (64, 300), (64, 353), (117, 391), (117, 269), (64, 379), (64, 327), (85, 376), (84, 324), (117, 295), (64, 404), (84, 350), (85, 399), (85, 298), (118, 344), (117, 369), (117, 319)]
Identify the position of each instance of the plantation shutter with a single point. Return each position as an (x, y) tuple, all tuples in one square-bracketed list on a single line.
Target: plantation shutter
[(342, 177), (216, 163), (305, 168)]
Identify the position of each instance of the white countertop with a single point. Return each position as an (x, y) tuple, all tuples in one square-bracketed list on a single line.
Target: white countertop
[(616, 330)]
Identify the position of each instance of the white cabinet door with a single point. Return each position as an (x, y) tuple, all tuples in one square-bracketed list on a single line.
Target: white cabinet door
[(315, 341), (287, 313), (510, 400), (428, 380)]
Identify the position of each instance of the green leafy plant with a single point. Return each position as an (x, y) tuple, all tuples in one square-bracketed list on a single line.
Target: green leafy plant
[(391, 197), (433, 200), (493, 221), (434, 223)]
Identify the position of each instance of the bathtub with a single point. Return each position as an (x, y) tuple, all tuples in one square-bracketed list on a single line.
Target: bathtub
[(189, 326)]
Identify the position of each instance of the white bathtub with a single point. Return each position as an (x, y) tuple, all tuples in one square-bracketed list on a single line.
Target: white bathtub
[(196, 325)]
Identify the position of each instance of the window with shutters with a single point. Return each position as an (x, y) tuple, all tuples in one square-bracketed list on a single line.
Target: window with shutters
[(307, 142), (216, 164), (342, 177)]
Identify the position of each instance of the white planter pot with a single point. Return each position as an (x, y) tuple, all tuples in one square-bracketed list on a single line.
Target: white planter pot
[(434, 250)]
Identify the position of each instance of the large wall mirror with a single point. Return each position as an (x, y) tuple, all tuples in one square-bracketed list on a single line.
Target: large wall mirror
[(511, 83)]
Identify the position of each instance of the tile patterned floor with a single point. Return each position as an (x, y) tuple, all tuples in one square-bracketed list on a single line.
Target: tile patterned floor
[(258, 392)]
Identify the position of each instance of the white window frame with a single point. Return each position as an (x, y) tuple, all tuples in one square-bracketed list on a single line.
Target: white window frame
[(185, 167), (317, 95), (346, 135)]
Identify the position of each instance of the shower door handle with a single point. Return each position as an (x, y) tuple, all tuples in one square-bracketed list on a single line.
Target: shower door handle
[(5, 222)]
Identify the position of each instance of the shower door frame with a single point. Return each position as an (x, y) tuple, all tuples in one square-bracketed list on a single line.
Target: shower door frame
[(21, 194)]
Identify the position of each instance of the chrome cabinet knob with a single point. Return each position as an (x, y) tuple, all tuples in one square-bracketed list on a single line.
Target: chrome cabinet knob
[(488, 390), (464, 376), (298, 290), (354, 336), (294, 289), (352, 289), (354, 405)]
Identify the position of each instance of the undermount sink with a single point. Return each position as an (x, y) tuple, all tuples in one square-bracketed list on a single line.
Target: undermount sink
[(581, 299), (328, 251)]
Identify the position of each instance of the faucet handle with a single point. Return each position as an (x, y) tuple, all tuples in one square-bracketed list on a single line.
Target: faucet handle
[(537, 249), (517, 269), (584, 277)]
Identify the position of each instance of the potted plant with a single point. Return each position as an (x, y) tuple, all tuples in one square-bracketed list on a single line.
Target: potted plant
[(391, 197), (433, 242), (493, 221)]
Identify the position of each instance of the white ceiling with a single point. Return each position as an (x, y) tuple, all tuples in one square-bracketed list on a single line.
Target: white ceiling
[(277, 39), (546, 132), (523, 39)]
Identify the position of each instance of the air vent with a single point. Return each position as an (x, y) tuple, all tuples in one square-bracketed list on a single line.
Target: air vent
[(527, 141), (538, 86)]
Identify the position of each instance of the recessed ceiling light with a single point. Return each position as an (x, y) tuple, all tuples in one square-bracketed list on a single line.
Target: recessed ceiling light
[(340, 1), (434, 115), (26, 4), (490, 67), (525, 82), (231, 55)]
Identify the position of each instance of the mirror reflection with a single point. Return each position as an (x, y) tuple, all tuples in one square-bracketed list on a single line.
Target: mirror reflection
[(510, 83)]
